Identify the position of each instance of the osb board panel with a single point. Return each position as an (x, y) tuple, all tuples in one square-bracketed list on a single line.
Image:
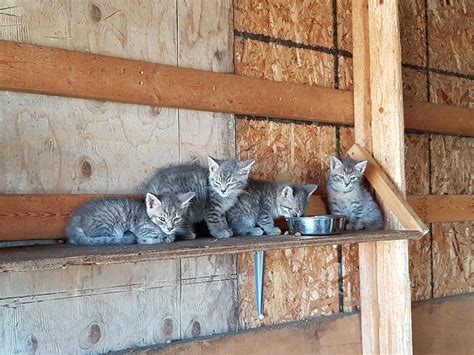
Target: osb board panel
[(414, 84), (346, 79), (298, 284), (287, 151), (417, 183), (452, 258), (452, 165), (450, 35), (302, 21), (451, 90), (344, 24), (299, 153), (205, 41), (412, 31), (274, 62)]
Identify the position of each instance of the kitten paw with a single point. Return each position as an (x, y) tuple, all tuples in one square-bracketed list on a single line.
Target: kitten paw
[(349, 226), (222, 234), (276, 231), (187, 235), (358, 225), (249, 231)]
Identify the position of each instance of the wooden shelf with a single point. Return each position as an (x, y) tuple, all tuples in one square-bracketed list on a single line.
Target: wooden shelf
[(62, 255)]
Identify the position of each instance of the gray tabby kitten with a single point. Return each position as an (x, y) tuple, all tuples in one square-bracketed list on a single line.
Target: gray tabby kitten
[(262, 202), (216, 188), (347, 195), (127, 221)]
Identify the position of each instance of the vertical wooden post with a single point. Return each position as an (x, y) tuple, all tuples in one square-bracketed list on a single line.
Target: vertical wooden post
[(378, 105)]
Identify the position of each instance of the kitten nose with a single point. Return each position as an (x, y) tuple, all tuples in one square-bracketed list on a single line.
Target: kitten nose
[(169, 226), (347, 183), (223, 189)]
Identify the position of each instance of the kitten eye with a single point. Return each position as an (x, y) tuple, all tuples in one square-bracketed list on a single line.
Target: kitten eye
[(338, 177), (353, 178), (161, 219), (176, 219)]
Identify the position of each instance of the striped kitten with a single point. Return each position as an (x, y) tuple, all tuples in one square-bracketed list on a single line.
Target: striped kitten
[(127, 221), (348, 196), (216, 188), (262, 202)]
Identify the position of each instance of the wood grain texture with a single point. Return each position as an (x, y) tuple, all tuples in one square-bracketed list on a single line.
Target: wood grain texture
[(121, 80), (59, 256), (29, 217), (385, 295), (388, 192), (439, 326)]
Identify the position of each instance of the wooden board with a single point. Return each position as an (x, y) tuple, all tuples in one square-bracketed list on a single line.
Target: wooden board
[(28, 217), (439, 327), (54, 71), (388, 192), (385, 295), (60, 256)]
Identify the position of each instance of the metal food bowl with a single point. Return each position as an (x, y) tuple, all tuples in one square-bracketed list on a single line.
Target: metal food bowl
[(317, 225)]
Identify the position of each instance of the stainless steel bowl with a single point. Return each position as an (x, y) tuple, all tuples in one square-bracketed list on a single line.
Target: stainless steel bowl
[(317, 225)]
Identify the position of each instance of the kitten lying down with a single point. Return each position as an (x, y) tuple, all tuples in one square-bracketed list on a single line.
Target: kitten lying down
[(262, 202), (125, 221)]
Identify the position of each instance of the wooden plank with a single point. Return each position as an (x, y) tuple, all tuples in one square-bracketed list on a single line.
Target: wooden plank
[(440, 326), (393, 200), (60, 256), (29, 68), (443, 208), (385, 295), (28, 217)]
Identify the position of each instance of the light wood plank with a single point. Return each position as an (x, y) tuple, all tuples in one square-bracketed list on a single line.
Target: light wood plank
[(27, 217), (385, 295), (393, 200), (440, 326), (50, 71), (60, 256)]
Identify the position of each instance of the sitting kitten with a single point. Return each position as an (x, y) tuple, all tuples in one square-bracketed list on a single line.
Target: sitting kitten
[(126, 221), (347, 195), (262, 202), (216, 188)]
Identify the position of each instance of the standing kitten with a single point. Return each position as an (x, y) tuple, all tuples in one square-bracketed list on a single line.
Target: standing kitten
[(216, 188), (347, 195), (126, 221), (262, 202)]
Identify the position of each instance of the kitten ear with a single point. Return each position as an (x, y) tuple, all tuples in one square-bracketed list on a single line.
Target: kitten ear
[(360, 166), (335, 163), (152, 202), (287, 192), (213, 164), (310, 189), (186, 198), (246, 165)]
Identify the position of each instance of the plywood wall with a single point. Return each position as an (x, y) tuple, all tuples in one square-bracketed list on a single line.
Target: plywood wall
[(63, 145), (310, 42)]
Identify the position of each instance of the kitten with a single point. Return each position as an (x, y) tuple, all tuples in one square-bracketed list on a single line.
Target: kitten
[(127, 221), (216, 188), (262, 202), (347, 196)]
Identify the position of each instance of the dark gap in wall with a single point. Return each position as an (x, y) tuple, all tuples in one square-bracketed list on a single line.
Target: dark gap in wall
[(290, 44), (427, 56), (340, 52), (340, 281)]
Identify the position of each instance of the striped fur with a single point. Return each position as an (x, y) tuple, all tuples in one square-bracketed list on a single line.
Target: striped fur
[(348, 196), (216, 188)]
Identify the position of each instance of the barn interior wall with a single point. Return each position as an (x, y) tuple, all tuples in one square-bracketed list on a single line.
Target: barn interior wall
[(310, 42)]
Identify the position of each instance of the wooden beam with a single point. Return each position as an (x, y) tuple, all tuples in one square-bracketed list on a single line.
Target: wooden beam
[(385, 295), (388, 192), (59, 256), (440, 326), (53, 71), (27, 217)]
